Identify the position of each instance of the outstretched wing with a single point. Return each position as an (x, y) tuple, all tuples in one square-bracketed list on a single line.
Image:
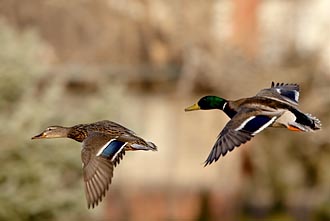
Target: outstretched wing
[(100, 154), (240, 129), (284, 92)]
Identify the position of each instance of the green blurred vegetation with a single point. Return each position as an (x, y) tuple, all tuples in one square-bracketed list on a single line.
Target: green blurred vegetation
[(20, 64), (33, 185)]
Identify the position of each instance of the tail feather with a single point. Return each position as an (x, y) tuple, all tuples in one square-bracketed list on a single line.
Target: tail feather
[(313, 124), (316, 122), (300, 127), (152, 146), (149, 146)]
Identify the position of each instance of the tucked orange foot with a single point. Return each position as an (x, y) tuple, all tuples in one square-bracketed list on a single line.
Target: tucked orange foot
[(292, 128), (271, 107)]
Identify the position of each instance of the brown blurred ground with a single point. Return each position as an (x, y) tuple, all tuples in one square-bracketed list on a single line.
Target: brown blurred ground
[(140, 63)]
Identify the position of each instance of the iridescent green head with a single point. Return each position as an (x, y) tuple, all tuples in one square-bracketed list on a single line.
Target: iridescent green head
[(208, 103)]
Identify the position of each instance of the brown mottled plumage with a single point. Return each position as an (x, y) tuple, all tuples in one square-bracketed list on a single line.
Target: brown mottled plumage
[(104, 144)]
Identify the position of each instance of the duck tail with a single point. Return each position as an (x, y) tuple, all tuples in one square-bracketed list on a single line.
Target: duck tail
[(306, 123), (144, 146), (152, 146), (316, 125)]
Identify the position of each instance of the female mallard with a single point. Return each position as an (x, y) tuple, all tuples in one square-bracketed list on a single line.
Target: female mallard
[(271, 107), (103, 145)]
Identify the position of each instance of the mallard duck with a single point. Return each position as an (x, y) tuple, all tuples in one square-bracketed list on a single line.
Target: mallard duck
[(271, 107), (103, 146)]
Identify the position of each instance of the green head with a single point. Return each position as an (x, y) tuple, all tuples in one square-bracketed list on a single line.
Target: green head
[(208, 103)]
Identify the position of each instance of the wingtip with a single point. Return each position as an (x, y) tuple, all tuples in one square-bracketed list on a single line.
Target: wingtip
[(93, 205), (206, 164), (273, 84)]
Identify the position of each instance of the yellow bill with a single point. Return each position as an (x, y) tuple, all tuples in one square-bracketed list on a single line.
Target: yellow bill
[(193, 107)]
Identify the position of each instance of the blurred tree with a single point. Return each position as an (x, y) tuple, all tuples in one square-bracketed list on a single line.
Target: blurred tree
[(18, 69), (31, 184)]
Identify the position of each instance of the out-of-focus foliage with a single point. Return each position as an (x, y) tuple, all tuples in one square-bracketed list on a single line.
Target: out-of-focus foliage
[(19, 66), (31, 178)]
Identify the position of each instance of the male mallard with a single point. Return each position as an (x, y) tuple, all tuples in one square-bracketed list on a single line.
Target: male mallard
[(271, 107), (103, 145)]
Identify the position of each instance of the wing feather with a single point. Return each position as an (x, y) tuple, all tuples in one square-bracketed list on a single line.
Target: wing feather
[(98, 168), (284, 92), (240, 129)]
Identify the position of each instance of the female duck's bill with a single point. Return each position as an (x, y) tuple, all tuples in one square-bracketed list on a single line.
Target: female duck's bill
[(53, 132)]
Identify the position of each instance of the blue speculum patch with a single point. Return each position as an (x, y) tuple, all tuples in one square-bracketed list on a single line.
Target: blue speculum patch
[(112, 148), (289, 94), (257, 122)]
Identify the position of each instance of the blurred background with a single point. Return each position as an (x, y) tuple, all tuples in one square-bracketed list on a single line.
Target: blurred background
[(140, 63)]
